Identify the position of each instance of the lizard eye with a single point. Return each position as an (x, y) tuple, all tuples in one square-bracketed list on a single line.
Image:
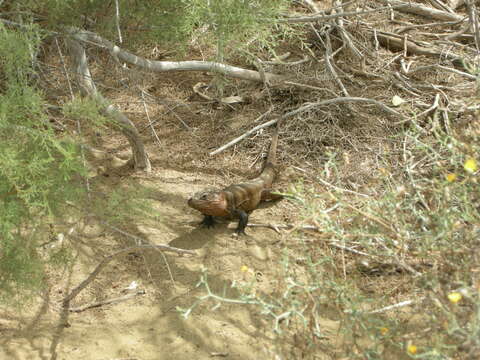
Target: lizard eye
[(203, 197)]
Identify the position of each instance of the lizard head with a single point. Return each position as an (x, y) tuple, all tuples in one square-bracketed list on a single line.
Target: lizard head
[(209, 202)]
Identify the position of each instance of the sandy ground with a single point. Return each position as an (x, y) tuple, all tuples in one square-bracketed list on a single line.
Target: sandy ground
[(149, 326)]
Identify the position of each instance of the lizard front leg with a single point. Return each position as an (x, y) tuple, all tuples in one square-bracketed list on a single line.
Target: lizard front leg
[(242, 222), (208, 221)]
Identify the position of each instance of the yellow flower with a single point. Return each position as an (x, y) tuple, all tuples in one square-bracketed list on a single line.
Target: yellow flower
[(384, 331), (470, 165), (412, 349), (451, 177), (244, 268), (454, 297)]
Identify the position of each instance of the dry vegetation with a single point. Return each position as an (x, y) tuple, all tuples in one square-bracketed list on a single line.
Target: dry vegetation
[(392, 200)]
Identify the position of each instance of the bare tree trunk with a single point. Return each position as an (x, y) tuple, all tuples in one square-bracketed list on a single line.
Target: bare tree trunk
[(139, 156)]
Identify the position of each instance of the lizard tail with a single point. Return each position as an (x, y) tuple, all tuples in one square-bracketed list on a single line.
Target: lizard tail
[(272, 153)]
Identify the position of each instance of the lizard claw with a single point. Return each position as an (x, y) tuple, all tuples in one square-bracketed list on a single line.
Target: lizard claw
[(239, 232), (208, 221)]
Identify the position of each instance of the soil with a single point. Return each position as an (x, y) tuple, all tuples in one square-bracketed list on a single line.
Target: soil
[(149, 326)]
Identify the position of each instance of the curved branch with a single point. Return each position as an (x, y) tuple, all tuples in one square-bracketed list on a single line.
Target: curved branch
[(140, 158), (162, 66)]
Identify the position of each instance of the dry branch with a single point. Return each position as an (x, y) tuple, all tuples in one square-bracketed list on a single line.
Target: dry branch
[(278, 227), (422, 10), (106, 302), (459, 3), (108, 259), (312, 5), (445, 68), (396, 44), (322, 17), (79, 57), (163, 66)]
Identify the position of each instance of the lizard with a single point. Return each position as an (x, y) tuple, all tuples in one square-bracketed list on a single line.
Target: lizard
[(239, 200)]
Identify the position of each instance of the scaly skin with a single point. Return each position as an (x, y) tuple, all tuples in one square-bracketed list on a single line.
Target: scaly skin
[(239, 200)]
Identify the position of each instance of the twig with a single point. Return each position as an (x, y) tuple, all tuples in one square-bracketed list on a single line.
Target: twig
[(292, 63), (264, 115), (344, 34), (311, 4), (327, 44), (277, 227), (422, 10), (221, 354), (117, 21), (342, 247), (396, 306), (305, 86), (148, 118), (108, 259), (322, 17), (473, 18), (410, 27), (340, 189), (142, 242), (372, 217), (433, 107), (446, 68), (459, 3), (442, 6), (106, 302), (410, 87)]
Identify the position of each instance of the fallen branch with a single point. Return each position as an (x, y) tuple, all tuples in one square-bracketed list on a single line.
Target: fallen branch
[(163, 66), (392, 307), (106, 302), (306, 107), (278, 227), (341, 189), (329, 56), (422, 10), (400, 44), (312, 5), (459, 3), (108, 259), (240, 138), (322, 17), (429, 25), (446, 68), (344, 34)]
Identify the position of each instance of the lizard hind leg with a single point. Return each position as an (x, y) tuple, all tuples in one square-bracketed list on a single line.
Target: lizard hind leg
[(269, 195)]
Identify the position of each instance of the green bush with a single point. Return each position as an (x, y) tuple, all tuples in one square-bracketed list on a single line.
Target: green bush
[(37, 167)]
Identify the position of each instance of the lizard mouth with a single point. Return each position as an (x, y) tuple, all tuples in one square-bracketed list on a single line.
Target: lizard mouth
[(210, 207)]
